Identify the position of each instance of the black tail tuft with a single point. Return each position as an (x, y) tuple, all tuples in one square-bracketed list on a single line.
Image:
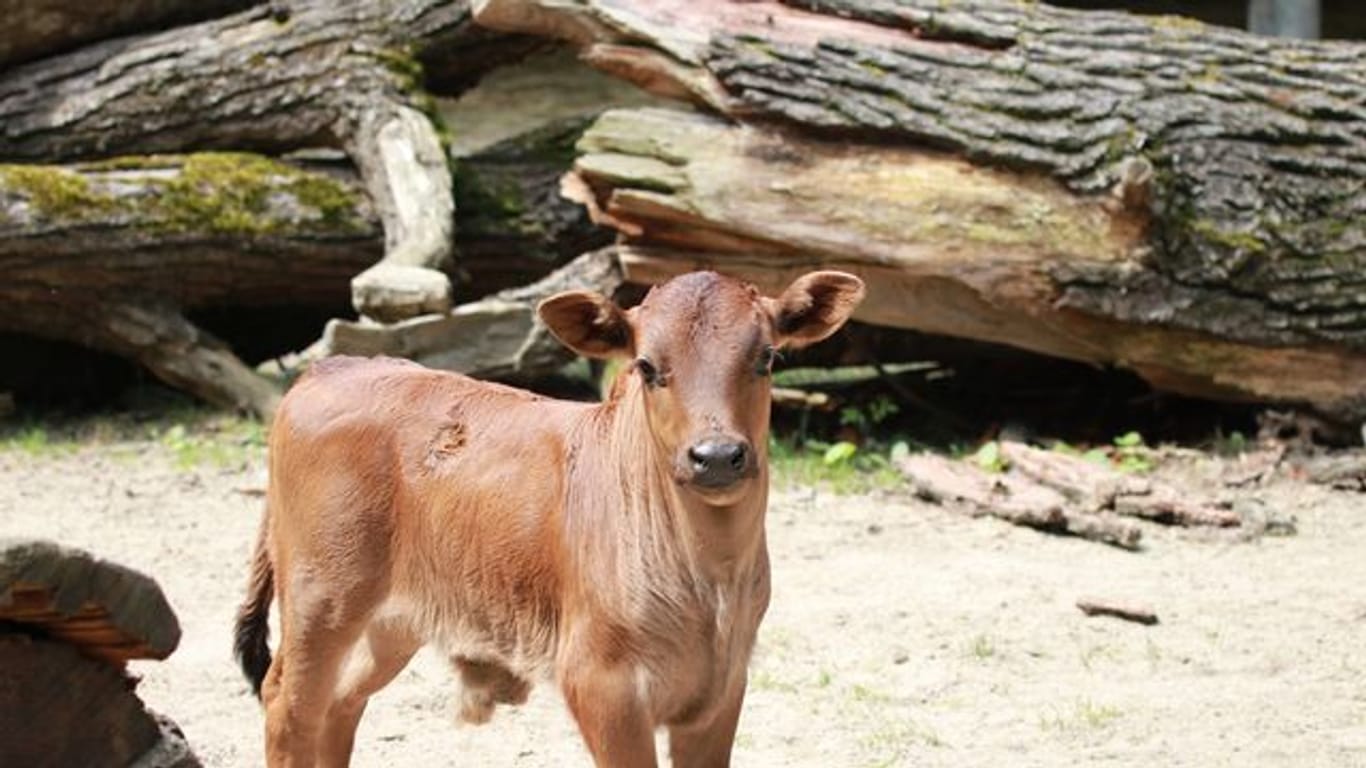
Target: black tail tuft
[(252, 633)]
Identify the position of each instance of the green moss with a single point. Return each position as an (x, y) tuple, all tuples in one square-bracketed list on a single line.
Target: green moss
[(230, 193), (223, 193), (489, 203), (411, 80), (872, 69), (133, 163), (1212, 232), (55, 193), (402, 63), (1180, 26)]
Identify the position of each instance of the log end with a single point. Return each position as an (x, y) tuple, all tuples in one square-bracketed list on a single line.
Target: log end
[(103, 609)]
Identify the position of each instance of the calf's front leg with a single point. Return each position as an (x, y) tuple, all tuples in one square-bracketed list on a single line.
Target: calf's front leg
[(611, 717), (708, 744)]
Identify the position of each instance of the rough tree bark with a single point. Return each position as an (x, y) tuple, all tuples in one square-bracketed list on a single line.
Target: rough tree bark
[(111, 253), (1185, 201), (271, 79), (68, 624), (38, 28)]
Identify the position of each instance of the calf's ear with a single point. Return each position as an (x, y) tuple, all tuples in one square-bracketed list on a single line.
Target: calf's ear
[(814, 306), (587, 323)]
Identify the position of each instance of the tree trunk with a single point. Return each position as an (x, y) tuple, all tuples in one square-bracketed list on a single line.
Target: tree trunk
[(38, 28), (110, 254), (274, 78), (499, 337), (68, 624), (1185, 201), (105, 610)]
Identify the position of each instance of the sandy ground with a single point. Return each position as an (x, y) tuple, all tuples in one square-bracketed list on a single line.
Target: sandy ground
[(900, 633)]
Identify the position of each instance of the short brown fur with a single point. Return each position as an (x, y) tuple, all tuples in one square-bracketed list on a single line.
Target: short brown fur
[(617, 548)]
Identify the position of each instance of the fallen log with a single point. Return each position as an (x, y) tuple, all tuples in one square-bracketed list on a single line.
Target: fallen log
[(500, 337), (1013, 499), (68, 623), (289, 75), (1094, 487), (35, 29), (1180, 200), (103, 609), (1346, 470), (114, 254)]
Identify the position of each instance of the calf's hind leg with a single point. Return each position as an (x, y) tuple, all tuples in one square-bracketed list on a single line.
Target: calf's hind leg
[(322, 619), (380, 654), (304, 677)]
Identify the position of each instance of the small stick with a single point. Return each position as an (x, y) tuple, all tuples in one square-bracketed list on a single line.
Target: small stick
[(1095, 606)]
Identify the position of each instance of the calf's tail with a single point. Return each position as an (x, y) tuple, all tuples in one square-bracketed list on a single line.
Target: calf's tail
[(252, 634)]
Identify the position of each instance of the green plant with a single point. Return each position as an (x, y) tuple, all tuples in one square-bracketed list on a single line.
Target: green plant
[(982, 648), (1131, 454), (840, 467), (839, 453), (32, 440), (1233, 444), (1083, 715), (866, 416), (989, 457)]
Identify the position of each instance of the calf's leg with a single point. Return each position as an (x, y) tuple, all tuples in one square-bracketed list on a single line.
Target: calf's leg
[(708, 745), (301, 695), (381, 653), (612, 719)]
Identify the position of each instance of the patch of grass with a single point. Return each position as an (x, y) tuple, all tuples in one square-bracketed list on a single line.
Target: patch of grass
[(842, 467), (866, 695), (33, 440), (194, 436), (1084, 715), (981, 648), (892, 740), (1090, 654), (764, 680), (214, 443), (823, 679)]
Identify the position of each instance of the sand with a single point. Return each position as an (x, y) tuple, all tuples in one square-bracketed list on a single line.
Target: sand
[(900, 633)]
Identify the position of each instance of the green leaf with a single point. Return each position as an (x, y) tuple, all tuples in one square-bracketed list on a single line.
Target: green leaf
[(988, 457), (839, 453), (1097, 456), (1129, 440), (900, 450)]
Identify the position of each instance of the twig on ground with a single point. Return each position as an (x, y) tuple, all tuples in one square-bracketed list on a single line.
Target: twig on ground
[(1096, 606)]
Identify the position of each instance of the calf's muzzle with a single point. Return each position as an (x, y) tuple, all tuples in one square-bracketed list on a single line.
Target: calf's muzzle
[(720, 463)]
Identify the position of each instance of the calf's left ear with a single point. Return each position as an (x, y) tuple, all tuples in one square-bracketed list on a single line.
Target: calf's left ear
[(814, 306), (587, 323)]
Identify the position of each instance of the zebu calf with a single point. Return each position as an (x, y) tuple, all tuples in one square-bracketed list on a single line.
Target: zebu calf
[(616, 547)]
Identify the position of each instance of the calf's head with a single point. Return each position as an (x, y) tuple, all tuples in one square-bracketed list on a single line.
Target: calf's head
[(702, 347)]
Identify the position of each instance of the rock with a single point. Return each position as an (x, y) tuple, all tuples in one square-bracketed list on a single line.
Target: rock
[(393, 292)]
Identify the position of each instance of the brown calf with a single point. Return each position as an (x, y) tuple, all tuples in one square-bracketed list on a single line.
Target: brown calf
[(616, 547)]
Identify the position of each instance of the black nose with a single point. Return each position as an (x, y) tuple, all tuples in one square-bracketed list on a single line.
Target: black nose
[(716, 464)]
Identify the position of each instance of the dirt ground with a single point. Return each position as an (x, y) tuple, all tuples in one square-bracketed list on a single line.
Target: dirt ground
[(900, 633)]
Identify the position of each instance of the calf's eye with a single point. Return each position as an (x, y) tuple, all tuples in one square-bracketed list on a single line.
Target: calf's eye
[(648, 372)]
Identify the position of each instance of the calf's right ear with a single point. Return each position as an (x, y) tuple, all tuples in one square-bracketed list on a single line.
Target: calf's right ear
[(587, 323)]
